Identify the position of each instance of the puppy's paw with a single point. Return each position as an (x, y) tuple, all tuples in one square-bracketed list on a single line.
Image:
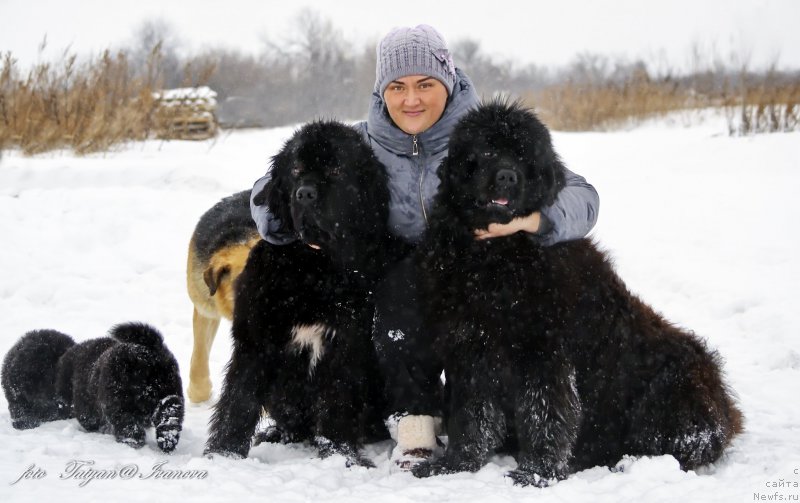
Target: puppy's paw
[(167, 437), (130, 434)]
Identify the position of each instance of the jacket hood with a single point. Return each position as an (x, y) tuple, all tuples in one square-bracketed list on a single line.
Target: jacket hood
[(433, 140)]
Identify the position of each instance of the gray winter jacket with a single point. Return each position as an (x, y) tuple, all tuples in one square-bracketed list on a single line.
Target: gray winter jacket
[(412, 163)]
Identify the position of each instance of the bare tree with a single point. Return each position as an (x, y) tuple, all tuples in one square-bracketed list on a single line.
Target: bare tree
[(155, 41)]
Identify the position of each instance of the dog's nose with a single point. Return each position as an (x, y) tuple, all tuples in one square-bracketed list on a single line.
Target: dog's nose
[(306, 194), (507, 177)]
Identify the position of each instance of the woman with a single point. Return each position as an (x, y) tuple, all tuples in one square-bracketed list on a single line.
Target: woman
[(418, 97)]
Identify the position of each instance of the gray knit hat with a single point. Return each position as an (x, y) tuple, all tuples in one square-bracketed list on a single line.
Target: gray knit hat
[(414, 51)]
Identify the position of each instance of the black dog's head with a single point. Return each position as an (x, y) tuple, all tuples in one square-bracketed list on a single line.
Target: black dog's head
[(328, 188), (501, 165)]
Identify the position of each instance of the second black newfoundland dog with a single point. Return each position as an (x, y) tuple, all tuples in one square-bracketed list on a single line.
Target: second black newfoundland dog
[(547, 354), (302, 346)]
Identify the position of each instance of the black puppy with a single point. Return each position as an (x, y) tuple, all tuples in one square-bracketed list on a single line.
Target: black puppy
[(120, 384), (29, 379), (302, 319), (546, 351)]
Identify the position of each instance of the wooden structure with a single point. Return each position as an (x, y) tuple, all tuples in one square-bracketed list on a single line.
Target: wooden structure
[(187, 113)]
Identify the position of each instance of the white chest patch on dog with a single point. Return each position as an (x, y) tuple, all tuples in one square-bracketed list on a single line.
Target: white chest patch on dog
[(312, 338)]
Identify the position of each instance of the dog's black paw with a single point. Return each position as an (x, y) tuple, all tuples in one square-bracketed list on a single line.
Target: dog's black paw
[(130, 434), (167, 437), (359, 460), (269, 435), (444, 467), (524, 478), (214, 453), (168, 420), (423, 469), (25, 423), (541, 478), (275, 435), (327, 448)]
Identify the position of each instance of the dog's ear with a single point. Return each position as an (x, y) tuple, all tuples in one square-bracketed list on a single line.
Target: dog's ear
[(448, 182), (277, 193), (261, 198), (553, 177), (546, 161), (213, 277), (550, 170), (445, 174)]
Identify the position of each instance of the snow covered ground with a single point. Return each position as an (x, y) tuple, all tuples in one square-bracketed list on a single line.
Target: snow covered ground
[(700, 225)]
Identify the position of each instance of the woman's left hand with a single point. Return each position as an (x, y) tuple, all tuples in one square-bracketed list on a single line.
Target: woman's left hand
[(529, 223)]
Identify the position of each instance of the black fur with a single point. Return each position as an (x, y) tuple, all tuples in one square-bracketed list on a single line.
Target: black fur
[(29, 378), (328, 189), (546, 351), (120, 384)]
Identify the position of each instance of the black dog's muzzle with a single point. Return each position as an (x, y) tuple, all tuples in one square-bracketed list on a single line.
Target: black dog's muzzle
[(306, 194), (506, 178)]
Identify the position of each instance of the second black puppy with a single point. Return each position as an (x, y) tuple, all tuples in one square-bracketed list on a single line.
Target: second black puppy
[(124, 383), (302, 319)]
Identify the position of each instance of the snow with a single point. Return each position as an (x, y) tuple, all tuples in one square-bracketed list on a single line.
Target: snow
[(699, 223), (187, 95)]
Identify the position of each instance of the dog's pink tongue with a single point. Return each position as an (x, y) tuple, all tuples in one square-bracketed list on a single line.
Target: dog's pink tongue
[(503, 201)]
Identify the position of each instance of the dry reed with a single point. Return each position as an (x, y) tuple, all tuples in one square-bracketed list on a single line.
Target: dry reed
[(95, 105), (87, 107)]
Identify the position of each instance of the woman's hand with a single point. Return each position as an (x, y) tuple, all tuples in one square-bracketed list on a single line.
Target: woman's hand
[(529, 224)]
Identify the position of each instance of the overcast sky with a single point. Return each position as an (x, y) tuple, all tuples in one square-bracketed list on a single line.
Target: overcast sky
[(526, 31)]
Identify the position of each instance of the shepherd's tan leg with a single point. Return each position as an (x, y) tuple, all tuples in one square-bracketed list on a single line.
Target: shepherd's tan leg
[(199, 381)]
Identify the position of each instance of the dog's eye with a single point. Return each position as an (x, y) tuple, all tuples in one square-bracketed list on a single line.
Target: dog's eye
[(335, 172), (489, 154), (296, 171)]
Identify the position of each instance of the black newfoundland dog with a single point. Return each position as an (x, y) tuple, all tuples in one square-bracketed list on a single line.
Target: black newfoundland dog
[(121, 384), (303, 314), (547, 354)]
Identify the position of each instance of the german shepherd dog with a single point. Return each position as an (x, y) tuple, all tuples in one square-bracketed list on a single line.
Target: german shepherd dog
[(218, 252)]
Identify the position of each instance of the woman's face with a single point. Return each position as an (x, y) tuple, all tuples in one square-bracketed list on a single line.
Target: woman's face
[(415, 102)]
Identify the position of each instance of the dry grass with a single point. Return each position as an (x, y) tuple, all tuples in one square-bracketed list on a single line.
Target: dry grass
[(94, 105), (765, 104), (86, 107), (753, 103), (600, 106)]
